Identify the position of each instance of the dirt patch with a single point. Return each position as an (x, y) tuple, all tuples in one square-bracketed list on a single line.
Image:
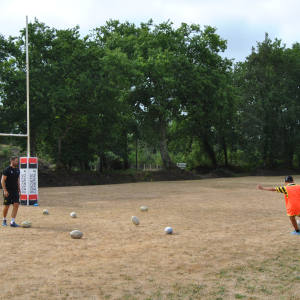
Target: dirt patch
[(230, 241)]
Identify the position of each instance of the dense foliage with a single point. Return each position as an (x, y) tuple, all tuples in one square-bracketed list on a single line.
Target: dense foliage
[(150, 94)]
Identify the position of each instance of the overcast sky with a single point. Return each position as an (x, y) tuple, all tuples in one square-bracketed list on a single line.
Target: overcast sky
[(241, 22)]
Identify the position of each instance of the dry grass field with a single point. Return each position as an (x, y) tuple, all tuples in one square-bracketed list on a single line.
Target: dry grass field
[(230, 241)]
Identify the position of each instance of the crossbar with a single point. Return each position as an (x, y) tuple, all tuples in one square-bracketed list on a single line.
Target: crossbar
[(11, 134)]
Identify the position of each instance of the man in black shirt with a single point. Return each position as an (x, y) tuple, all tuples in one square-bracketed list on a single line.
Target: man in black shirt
[(11, 190)]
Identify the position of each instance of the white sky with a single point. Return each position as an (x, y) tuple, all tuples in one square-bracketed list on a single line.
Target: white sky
[(241, 22)]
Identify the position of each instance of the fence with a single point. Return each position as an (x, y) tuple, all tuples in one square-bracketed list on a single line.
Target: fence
[(144, 167)]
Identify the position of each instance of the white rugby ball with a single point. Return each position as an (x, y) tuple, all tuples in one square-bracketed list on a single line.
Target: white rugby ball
[(168, 230), (76, 234), (73, 215), (26, 224), (298, 222), (45, 212), (135, 220), (144, 208)]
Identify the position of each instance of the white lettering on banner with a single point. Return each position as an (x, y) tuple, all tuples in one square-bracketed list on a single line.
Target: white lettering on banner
[(33, 182), (23, 181)]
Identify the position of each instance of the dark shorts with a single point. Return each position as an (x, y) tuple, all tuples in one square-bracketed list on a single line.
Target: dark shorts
[(13, 197)]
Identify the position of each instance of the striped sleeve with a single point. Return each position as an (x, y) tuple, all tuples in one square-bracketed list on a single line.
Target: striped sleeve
[(281, 189)]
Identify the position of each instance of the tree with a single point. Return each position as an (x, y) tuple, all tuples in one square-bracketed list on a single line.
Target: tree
[(269, 85)]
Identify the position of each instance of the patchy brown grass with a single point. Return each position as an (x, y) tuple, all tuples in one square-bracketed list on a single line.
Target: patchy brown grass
[(230, 241)]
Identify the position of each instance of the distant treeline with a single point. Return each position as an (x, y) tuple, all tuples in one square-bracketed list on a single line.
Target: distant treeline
[(133, 92)]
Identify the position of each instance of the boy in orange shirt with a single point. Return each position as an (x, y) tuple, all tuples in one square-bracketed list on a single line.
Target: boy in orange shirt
[(292, 199)]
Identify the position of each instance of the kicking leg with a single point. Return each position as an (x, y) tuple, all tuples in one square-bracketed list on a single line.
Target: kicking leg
[(294, 222)]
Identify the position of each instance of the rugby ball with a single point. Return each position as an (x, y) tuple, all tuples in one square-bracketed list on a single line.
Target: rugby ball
[(168, 230), (26, 224), (298, 222), (135, 220), (76, 234), (144, 208), (73, 215), (45, 212)]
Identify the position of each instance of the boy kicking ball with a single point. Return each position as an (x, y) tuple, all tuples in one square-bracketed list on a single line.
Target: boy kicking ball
[(292, 199)]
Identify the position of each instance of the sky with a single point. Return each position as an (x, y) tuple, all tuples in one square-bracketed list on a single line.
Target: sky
[(242, 23)]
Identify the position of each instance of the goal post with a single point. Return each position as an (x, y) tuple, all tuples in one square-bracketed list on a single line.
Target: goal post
[(11, 134), (28, 166)]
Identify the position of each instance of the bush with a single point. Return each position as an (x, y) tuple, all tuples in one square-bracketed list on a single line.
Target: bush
[(6, 152), (224, 172), (116, 164)]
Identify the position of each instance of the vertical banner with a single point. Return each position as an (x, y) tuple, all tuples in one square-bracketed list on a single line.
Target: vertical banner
[(23, 180), (29, 180)]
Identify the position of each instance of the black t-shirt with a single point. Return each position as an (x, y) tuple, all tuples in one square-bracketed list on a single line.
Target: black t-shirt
[(11, 181)]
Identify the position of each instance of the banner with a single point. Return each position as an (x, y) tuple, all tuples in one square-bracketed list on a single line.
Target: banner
[(181, 165), (29, 180)]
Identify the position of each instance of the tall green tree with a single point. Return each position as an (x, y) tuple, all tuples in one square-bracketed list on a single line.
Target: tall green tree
[(209, 98), (117, 39), (269, 85)]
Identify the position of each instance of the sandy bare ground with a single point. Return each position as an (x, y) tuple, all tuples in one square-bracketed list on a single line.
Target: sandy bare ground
[(230, 241)]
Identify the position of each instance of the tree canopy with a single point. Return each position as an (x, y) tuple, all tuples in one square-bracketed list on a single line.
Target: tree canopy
[(125, 86)]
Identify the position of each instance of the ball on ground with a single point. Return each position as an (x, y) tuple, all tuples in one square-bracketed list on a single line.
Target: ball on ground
[(45, 212), (168, 230), (135, 220), (73, 215), (26, 224), (76, 234), (144, 208)]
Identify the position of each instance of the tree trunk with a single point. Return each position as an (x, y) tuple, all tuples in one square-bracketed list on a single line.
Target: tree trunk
[(59, 154), (104, 163), (125, 151), (81, 164), (289, 155), (100, 164), (225, 151), (136, 153), (32, 143), (209, 150), (168, 164), (61, 138)]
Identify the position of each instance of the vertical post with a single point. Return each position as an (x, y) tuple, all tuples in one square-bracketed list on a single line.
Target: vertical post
[(27, 89), (136, 165)]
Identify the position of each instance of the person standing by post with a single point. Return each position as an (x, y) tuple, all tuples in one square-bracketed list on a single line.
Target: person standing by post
[(11, 190)]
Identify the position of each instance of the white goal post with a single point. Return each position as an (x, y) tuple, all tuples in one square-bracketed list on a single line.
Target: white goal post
[(28, 165), (27, 92)]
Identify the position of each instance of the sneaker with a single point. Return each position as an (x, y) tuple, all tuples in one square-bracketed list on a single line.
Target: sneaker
[(14, 225), (295, 233), (4, 223)]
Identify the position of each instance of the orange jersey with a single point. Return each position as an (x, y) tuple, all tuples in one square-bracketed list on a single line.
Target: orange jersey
[(292, 198)]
